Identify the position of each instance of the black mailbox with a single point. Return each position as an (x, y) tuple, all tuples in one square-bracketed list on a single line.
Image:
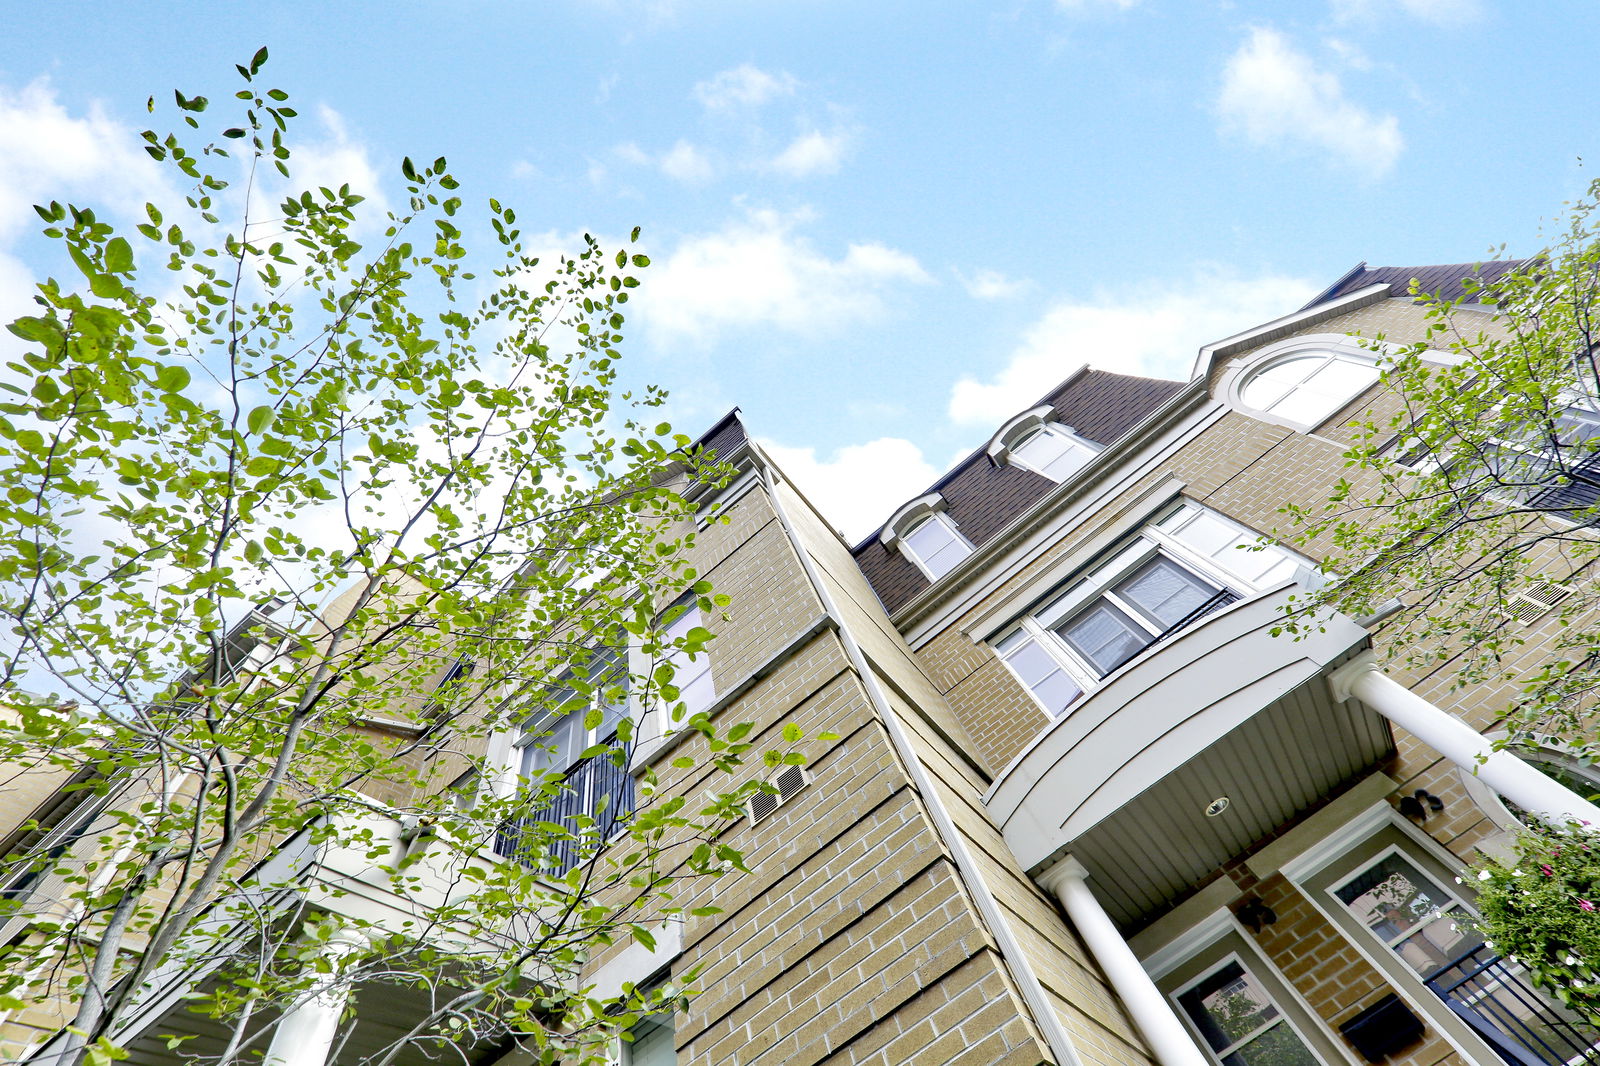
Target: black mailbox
[(1382, 1029)]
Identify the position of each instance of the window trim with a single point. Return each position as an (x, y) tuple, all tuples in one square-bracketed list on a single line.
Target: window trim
[(1342, 854), (909, 518), (1237, 377), (1272, 984), (1003, 447), (1097, 579)]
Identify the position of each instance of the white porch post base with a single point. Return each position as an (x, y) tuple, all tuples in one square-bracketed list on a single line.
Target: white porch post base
[(1149, 1009), (1460, 743), (305, 1033)]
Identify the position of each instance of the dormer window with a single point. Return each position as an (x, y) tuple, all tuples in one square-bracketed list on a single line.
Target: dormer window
[(927, 536), (936, 546), (1033, 442)]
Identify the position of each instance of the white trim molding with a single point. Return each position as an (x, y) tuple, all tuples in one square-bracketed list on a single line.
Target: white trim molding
[(1004, 437), (909, 514)]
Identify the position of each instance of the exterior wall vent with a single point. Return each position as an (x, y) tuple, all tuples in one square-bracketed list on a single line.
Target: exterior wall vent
[(1535, 601), (787, 781)]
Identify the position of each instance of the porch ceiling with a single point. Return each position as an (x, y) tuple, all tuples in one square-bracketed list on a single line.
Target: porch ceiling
[(1225, 708), (1300, 749)]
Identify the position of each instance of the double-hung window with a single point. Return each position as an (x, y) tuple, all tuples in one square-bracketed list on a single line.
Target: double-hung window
[(935, 545), (1240, 1022), (581, 712), (1051, 450), (1176, 571)]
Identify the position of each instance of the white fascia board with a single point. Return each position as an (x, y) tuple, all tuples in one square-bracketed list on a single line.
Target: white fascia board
[(1210, 353)]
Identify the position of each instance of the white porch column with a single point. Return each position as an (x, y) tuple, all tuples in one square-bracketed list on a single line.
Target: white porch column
[(1460, 743), (305, 1033), (1150, 1010)]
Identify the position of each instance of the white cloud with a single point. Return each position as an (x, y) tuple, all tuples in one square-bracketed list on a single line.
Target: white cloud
[(757, 271), (1151, 330), (632, 154), (860, 484), (1439, 12), (686, 163), (993, 285), (47, 153), (336, 159), (811, 154), (744, 86), (682, 162), (1274, 94)]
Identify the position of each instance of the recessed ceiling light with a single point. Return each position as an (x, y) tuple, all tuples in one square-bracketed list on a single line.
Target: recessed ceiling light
[(1216, 806)]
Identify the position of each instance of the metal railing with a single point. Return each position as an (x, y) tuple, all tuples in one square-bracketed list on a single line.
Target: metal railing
[(1220, 600), (587, 783), (1524, 1025)]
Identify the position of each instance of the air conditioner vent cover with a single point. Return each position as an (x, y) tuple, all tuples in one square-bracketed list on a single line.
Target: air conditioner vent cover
[(1535, 601), (787, 781)]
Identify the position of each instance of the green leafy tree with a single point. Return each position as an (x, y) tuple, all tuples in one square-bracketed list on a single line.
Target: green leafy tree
[(1473, 503), (1539, 906), (1472, 489), (422, 463)]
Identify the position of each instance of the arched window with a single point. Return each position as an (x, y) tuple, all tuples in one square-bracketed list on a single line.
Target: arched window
[(1302, 382), (927, 536), (1033, 442)]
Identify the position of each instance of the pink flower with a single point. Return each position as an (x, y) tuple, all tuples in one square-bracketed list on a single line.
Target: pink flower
[(1545, 869), (1585, 905)]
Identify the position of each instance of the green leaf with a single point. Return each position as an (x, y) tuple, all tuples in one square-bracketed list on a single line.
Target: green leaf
[(792, 733), (257, 60), (119, 256), (259, 419), (172, 378)]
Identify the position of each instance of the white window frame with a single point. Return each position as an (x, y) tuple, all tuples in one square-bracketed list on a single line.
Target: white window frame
[(911, 517), (1163, 538), (538, 731), (1238, 377), (1008, 443), (1343, 854), (1285, 1016), (1455, 905), (689, 670)]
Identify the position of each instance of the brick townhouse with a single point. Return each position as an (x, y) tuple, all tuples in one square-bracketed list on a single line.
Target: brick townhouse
[(1084, 808)]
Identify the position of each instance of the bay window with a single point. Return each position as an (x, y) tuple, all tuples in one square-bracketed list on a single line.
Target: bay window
[(1179, 569)]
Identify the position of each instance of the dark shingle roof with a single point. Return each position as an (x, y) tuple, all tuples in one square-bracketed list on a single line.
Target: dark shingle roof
[(983, 498), (1442, 280), (725, 436)]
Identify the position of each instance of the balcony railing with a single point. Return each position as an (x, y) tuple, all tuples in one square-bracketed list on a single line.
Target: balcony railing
[(588, 784), (1215, 603), (1522, 1024)]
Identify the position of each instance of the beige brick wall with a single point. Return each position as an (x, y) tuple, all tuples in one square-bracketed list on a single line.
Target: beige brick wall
[(1249, 470)]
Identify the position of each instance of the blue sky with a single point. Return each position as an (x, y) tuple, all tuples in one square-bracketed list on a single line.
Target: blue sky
[(880, 228)]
